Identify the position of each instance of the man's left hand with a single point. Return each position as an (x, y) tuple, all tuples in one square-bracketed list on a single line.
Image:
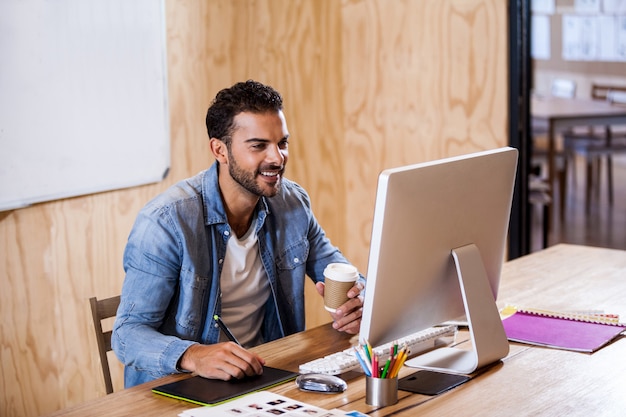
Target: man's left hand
[(347, 317)]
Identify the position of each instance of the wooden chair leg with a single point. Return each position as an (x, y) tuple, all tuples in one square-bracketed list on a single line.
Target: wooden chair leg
[(609, 178), (588, 184), (546, 225), (562, 179), (574, 159), (597, 177)]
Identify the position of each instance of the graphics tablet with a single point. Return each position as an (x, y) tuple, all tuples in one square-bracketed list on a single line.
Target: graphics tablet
[(205, 391)]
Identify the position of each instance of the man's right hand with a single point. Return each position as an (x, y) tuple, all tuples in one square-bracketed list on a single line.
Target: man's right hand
[(221, 361)]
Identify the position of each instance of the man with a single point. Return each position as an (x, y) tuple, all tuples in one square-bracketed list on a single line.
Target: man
[(234, 241)]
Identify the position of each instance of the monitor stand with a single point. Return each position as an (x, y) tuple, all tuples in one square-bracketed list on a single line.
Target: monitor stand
[(489, 341)]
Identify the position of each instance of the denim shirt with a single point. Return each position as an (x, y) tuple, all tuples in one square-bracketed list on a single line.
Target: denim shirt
[(173, 260)]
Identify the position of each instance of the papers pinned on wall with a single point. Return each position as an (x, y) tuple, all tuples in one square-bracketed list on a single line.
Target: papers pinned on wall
[(594, 38), (587, 6), (614, 7), (540, 37), (542, 6)]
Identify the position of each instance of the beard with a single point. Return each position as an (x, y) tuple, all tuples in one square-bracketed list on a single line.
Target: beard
[(247, 179)]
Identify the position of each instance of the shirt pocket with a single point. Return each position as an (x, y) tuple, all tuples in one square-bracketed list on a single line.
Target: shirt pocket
[(192, 293), (294, 256)]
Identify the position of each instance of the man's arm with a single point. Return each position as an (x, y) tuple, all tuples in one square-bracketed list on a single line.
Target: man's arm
[(162, 307), (154, 275)]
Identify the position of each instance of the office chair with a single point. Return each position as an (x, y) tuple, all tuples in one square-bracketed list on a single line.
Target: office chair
[(595, 147), (539, 194), (100, 310), (562, 88)]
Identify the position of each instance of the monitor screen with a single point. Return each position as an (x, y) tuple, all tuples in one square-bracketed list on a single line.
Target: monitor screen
[(423, 214)]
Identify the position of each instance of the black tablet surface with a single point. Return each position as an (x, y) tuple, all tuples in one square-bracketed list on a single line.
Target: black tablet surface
[(205, 391), (430, 382)]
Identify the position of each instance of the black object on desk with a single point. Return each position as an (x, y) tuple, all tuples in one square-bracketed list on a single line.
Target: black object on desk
[(205, 391), (430, 382)]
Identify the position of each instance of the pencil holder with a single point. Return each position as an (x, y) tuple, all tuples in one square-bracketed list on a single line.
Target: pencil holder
[(381, 392)]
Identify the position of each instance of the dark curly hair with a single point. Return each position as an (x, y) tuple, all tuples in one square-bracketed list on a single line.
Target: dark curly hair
[(248, 96)]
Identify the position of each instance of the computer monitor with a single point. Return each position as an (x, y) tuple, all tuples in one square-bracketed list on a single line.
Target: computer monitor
[(438, 243)]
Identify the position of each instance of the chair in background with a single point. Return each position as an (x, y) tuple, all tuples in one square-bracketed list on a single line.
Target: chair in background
[(100, 310), (539, 195), (539, 198), (597, 146), (560, 87)]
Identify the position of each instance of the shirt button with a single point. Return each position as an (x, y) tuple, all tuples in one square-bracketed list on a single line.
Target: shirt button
[(221, 261), (226, 233), (296, 260)]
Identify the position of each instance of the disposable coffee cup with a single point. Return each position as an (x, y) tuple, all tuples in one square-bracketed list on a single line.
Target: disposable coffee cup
[(381, 392), (339, 278)]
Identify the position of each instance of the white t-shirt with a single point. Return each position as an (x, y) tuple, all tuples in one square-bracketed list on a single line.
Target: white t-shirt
[(245, 289)]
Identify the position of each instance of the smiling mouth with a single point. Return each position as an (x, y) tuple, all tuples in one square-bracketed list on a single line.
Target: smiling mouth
[(272, 172)]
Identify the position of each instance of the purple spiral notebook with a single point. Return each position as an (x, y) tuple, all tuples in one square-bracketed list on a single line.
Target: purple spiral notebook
[(560, 333)]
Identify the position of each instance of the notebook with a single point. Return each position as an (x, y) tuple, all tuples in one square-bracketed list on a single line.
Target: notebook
[(561, 331), (205, 391)]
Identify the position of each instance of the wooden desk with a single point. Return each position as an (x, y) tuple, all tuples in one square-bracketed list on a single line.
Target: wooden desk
[(560, 114), (529, 381)]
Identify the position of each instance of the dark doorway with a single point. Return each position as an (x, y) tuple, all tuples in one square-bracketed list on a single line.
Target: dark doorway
[(519, 122)]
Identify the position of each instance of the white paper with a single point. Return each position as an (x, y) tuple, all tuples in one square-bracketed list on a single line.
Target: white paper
[(542, 6), (580, 38), (266, 403), (620, 38), (540, 37), (614, 7), (607, 48), (587, 6), (594, 38)]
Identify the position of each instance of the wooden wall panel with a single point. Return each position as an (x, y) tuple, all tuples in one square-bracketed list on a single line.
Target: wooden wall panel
[(424, 79), (367, 85)]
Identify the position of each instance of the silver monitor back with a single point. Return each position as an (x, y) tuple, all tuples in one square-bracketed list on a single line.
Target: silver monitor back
[(422, 213)]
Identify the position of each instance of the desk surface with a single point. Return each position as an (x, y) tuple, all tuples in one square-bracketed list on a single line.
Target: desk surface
[(558, 107), (529, 381)]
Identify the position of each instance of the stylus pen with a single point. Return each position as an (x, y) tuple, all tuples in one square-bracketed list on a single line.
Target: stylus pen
[(225, 329)]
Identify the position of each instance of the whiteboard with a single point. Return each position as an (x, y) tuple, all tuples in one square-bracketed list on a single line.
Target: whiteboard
[(83, 98)]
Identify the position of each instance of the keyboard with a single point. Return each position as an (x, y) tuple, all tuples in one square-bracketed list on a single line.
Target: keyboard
[(345, 361)]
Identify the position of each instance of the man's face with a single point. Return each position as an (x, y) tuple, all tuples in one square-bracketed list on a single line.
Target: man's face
[(258, 152)]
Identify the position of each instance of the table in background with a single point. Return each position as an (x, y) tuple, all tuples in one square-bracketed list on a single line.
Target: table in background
[(529, 381), (560, 114)]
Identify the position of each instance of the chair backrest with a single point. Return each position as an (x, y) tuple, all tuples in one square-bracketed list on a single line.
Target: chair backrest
[(562, 87), (100, 310), (605, 91)]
